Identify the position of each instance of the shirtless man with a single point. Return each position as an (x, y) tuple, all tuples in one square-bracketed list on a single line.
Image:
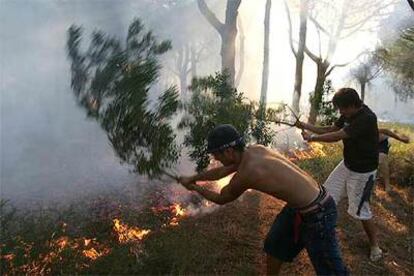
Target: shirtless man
[(308, 219)]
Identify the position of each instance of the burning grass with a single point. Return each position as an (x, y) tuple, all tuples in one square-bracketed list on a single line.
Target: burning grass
[(71, 240), (163, 232)]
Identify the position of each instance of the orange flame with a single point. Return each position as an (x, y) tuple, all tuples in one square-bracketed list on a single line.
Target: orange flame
[(93, 254), (314, 150), (178, 210), (178, 213), (129, 234), (62, 242)]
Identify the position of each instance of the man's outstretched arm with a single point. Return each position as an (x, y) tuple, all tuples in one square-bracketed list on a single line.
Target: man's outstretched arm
[(227, 194), (317, 129), (390, 133), (326, 137), (210, 175)]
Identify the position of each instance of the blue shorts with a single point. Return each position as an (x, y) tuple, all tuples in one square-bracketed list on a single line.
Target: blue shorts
[(316, 233)]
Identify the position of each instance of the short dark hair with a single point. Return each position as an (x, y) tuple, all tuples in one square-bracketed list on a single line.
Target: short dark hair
[(223, 137), (346, 97)]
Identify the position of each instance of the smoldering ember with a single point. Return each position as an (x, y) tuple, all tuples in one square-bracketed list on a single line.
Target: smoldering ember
[(207, 137)]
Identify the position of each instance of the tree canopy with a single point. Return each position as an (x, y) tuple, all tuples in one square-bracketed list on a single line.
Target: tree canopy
[(398, 61), (112, 81)]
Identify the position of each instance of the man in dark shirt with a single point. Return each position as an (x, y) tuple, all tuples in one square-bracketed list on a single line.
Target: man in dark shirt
[(355, 174)]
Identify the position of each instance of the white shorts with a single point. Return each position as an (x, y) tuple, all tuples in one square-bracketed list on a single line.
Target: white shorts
[(344, 182)]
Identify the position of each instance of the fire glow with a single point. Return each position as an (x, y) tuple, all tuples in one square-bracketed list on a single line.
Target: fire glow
[(128, 234), (314, 150), (178, 213)]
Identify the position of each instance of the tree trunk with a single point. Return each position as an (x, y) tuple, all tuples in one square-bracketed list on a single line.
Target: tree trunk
[(316, 98), (362, 84), (297, 92), (265, 71), (228, 34), (182, 68), (228, 52), (241, 53), (193, 60), (183, 84), (323, 65)]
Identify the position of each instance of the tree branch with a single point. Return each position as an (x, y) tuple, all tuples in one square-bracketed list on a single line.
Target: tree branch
[(319, 42), (411, 3), (312, 55), (344, 64), (318, 25), (210, 16), (368, 16), (241, 51), (292, 47)]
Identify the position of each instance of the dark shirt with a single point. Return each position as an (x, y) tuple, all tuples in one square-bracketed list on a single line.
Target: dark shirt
[(384, 146), (361, 148)]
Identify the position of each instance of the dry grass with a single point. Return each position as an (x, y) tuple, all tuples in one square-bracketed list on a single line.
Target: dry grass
[(227, 241)]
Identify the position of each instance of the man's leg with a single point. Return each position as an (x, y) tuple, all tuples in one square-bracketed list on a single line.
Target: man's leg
[(322, 243), (280, 245), (273, 265), (385, 170), (335, 183), (358, 207), (371, 231)]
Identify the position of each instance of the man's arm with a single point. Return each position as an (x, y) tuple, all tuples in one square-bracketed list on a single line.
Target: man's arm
[(326, 137), (211, 175), (394, 135), (227, 194), (317, 129)]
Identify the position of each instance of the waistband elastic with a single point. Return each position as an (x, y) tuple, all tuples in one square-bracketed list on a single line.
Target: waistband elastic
[(322, 197)]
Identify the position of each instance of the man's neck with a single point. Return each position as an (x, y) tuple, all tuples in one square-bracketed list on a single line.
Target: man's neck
[(238, 158), (357, 109)]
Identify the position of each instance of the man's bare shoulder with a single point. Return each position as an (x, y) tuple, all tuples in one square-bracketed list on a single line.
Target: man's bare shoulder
[(254, 155), (254, 151), (256, 148)]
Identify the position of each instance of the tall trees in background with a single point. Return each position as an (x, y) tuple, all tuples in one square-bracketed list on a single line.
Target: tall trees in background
[(335, 21), (242, 39), (195, 44), (299, 52), (367, 69), (227, 32), (265, 70), (396, 51), (398, 62)]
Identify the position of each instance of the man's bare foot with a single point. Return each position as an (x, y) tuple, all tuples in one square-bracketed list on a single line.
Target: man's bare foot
[(375, 254)]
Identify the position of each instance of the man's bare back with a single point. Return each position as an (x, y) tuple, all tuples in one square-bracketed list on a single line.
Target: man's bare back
[(257, 167), (268, 171)]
